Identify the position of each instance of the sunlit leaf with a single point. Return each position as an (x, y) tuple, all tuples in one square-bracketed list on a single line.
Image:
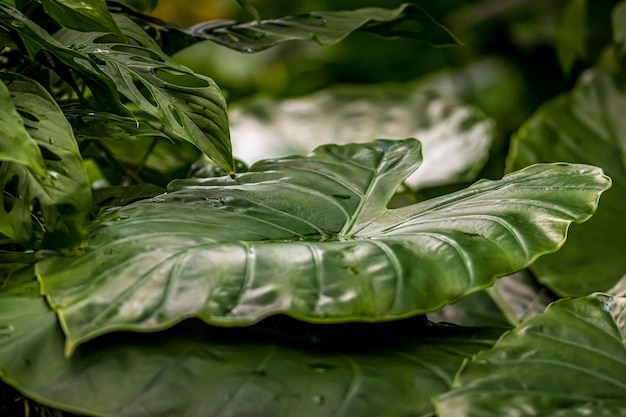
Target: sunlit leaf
[(211, 248), (586, 126), (455, 137), (50, 209), (83, 15), (568, 361), (324, 28)]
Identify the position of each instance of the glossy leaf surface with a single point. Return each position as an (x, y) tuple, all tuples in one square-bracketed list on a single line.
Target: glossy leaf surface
[(190, 106), (568, 361), (211, 248), (270, 369), (587, 126), (16, 144), (324, 28), (36, 39), (83, 15), (455, 137), (60, 195)]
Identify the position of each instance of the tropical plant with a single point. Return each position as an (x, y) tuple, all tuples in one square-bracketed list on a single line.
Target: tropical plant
[(141, 279)]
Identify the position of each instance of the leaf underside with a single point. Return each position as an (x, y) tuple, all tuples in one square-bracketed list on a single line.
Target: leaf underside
[(281, 367)]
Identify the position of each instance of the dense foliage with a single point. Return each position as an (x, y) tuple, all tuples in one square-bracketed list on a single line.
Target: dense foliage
[(145, 271)]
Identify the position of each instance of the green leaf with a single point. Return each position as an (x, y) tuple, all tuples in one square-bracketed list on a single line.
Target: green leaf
[(324, 28), (249, 7), (455, 137), (61, 196), (189, 106), (618, 23), (36, 40), (571, 34), (512, 300), (83, 15), (210, 248), (194, 370), (569, 361), (16, 144), (586, 126)]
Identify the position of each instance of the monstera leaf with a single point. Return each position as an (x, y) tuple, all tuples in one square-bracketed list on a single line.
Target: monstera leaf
[(311, 237), (271, 369), (182, 104), (455, 137), (324, 28), (83, 15), (188, 105), (568, 361), (586, 126), (45, 191)]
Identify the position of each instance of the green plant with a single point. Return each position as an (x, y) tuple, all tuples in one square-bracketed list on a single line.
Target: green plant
[(292, 287)]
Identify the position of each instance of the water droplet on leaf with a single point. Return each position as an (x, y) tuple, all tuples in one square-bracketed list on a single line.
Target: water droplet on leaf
[(318, 399)]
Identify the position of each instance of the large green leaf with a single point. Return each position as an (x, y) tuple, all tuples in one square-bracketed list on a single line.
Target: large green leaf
[(569, 361), (587, 126), (189, 106), (324, 28), (83, 15), (311, 237), (196, 371), (455, 137), (60, 196)]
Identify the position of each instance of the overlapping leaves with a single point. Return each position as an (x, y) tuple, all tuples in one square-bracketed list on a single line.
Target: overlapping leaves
[(46, 194), (183, 104), (586, 126), (324, 28), (568, 361), (311, 237), (274, 368)]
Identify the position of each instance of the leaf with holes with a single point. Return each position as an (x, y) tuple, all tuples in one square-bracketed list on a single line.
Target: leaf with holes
[(184, 104), (83, 15), (311, 237), (65, 60), (324, 28), (49, 209), (568, 361)]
